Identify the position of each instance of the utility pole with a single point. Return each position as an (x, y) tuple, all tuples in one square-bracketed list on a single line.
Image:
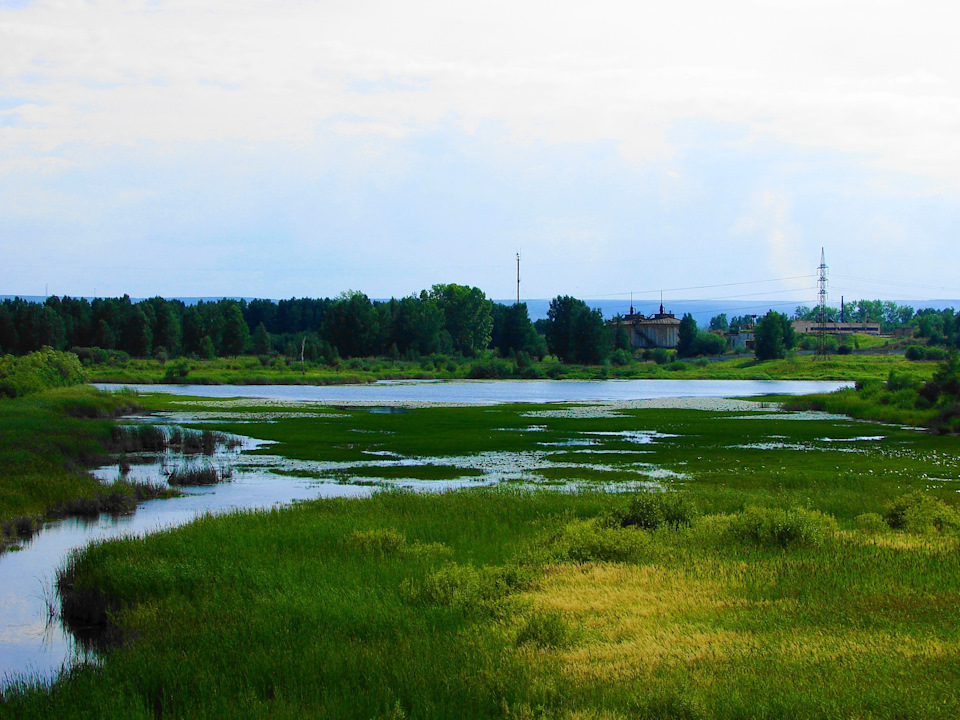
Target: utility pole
[(518, 277), (822, 306)]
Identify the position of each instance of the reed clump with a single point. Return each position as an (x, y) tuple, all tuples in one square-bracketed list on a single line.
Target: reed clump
[(197, 476)]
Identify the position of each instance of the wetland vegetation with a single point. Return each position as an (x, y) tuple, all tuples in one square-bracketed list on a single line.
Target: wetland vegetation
[(789, 565)]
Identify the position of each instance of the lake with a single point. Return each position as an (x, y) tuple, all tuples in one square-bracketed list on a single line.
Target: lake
[(476, 392)]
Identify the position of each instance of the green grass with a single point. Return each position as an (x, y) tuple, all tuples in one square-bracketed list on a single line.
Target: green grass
[(540, 604), (47, 440), (250, 371)]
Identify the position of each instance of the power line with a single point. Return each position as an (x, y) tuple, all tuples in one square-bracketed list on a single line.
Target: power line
[(897, 283), (708, 287)]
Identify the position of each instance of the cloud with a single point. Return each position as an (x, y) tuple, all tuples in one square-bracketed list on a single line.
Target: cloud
[(879, 84), (295, 146)]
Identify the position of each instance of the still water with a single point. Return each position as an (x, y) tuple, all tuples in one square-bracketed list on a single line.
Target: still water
[(479, 392), (33, 643)]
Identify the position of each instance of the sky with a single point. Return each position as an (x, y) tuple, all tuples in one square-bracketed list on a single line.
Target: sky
[(292, 148)]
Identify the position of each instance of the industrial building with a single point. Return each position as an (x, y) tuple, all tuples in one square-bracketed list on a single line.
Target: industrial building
[(659, 331)]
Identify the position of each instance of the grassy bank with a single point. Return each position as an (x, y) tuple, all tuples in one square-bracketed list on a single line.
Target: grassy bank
[(808, 546), (904, 398), (47, 442), (252, 371)]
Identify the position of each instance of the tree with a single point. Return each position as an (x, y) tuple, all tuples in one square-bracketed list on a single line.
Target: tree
[(137, 335), (687, 336), (621, 338), (575, 333), (709, 343), (467, 316), (351, 325), (236, 334), (167, 332), (774, 336), (720, 322), (513, 331), (261, 340)]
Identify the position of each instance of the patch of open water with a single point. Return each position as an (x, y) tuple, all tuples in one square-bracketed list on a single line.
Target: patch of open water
[(490, 392)]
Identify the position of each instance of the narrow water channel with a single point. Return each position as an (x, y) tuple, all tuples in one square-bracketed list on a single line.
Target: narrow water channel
[(33, 643)]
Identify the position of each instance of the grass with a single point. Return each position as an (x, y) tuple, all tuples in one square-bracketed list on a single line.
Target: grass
[(802, 546), (47, 442), (250, 370)]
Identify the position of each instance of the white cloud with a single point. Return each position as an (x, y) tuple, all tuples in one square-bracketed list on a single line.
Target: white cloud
[(875, 79)]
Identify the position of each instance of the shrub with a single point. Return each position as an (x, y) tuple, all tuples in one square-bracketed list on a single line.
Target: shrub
[(492, 369), (787, 529), (901, 381), (661, 356), (621, 357), (871, 523), (177, 373), (651, 510), (380, 542), (467, 587), (593, 541), (38, 371), (920, 513), (947, 420)]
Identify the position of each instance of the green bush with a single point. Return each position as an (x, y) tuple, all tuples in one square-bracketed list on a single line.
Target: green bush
[(468, 587), (381, 542), (621, 358), (871, 523), (901, 381), (920, 513), (594, 541), (492, 369), (787, 529), (650, 510), (38, 371)]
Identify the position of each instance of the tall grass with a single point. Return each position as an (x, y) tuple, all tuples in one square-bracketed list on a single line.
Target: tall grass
[(797, 546), (47, 440), (471, 604)]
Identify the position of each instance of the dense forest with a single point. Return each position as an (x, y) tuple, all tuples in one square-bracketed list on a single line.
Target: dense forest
[(451, 319), (447, 319)]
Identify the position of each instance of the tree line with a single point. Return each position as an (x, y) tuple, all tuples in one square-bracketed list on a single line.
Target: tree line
[(940, 327), (446, 319)]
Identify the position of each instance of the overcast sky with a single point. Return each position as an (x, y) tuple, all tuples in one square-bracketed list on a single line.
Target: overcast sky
[(281, 148)]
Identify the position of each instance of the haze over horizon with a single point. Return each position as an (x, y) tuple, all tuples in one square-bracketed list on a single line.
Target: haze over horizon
[(281, 148)]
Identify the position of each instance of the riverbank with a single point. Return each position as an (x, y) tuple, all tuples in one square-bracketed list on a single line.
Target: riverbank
[(48, 441), (537, 603), (254, 371)]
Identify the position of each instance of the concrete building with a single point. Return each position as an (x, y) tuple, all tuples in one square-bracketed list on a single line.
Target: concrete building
[(659, 331), (743, 339), (836, 328)]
